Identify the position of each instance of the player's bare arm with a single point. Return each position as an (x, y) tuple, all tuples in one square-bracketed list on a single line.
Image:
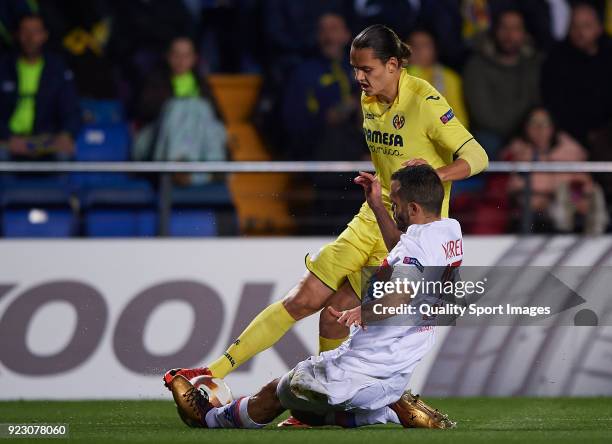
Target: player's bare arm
[(472, 160), (361, 315), (457, 170), (373, 194)]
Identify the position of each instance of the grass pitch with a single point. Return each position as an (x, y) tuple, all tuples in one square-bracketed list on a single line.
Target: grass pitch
[(480, 420)]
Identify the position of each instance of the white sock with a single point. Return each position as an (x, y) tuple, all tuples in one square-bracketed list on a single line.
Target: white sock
[(232, 416), (378, 416)]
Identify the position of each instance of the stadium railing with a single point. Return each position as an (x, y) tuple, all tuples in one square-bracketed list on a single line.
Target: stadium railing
[(166, 169)]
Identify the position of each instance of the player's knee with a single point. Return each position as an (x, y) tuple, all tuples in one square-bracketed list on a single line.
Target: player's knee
[(344, 299), (329, 327), (308, 297), (269, 390), (286, 396)]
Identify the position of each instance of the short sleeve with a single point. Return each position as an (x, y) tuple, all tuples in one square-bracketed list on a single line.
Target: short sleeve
[(408, 260), (442, 126)]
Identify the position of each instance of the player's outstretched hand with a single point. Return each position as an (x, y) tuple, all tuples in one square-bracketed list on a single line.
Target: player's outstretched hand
[(348, 317), (371, 188)]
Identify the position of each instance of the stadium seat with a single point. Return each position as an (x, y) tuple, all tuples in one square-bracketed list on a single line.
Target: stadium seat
[(261, 209), (52, 191), (236, 95), (256, 196), (102, 112), (103, 143), (120, 223), (203, 210), (213, 194), (37, 207), (193, 223), (245, 143), (112, 204), (38, 222), (127, 209), (129, 194)]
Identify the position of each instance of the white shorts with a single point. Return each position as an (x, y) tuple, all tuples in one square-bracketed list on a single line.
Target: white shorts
[(306, 388), (342, 379)]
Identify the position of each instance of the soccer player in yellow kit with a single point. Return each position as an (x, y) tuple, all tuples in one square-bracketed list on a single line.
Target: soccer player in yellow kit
[(406, 122)]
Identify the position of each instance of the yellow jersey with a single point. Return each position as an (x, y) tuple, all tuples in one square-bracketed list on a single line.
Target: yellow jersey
[(418, 124)]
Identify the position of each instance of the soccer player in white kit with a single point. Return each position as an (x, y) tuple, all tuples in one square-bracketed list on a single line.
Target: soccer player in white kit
[(363, 381)]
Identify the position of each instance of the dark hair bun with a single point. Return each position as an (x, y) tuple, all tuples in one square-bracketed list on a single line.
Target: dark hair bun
[(384, 42)]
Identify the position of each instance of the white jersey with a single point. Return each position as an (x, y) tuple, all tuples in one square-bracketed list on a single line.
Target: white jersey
[(437, 243), (379, 350), (387, 354)]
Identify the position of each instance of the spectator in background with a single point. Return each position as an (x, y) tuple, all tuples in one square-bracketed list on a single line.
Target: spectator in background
[(182, 120), (39, 109), (400, 15), (479, 17), (564, 202), (501, 82), (223, 51), (424, 64), (83, 31), (459, 25), (290, 30), (10, 13), (141, 32), (289, 37), (321, 117), (177, 76), (576, 77), (321, 102)]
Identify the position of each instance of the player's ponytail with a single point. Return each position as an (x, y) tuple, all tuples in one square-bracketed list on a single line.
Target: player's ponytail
[(384, 42)]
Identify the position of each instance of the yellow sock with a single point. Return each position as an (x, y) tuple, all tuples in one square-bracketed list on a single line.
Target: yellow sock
[(263, 332), (326, 344)]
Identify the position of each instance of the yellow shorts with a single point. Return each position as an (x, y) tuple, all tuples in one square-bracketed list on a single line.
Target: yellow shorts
[(359, 245)]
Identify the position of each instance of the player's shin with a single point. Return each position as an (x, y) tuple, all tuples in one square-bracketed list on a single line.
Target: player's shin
[(332, 333), (264, 331)]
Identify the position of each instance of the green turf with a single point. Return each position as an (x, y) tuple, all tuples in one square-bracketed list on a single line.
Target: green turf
[(584, 420)]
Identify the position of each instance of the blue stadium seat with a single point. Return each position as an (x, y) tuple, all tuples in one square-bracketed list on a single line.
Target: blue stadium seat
[(37, 208), (213, 194), (113, 204), (120, 223), (102, 112), (192, 223), (202, 210), (133, 193), (31, 192), (38, 222), (124, 210), (103, 143)]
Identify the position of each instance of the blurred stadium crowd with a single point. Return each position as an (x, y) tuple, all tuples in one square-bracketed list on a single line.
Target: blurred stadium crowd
[(199, 80)]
